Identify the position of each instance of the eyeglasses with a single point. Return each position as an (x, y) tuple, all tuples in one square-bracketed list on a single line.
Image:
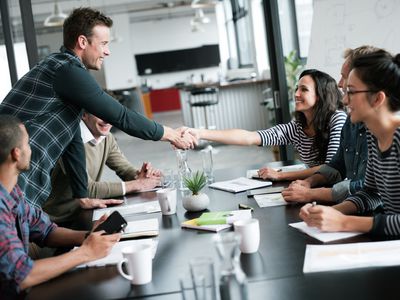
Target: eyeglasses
[(348, 92)]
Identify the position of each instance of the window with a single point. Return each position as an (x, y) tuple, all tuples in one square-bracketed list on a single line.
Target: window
[(304, 13), (21, 58), (240, 37)]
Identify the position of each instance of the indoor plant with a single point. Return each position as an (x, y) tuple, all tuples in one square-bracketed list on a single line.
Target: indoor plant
[(197, 201)]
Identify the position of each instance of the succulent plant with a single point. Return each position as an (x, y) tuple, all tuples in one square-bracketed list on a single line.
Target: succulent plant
[(195, 182)]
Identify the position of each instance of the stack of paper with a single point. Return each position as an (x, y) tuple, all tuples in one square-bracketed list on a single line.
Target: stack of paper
[(320, 258), (148, 227), (268, 200), (323, 236), (239, 185), (126, 210), (291, 168), (116, 253)]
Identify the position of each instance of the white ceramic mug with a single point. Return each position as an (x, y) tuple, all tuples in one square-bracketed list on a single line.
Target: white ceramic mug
[(249, 230), (138, 260), (167, 200)]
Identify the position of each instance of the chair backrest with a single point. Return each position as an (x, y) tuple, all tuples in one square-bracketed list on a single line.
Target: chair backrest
[(203, 96)]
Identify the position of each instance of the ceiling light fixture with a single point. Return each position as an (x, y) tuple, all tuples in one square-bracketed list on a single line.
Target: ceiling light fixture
[(57, 17), (202, 3), (200, 17)]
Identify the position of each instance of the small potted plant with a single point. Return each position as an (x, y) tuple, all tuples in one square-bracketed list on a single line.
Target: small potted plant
[(197, 201)]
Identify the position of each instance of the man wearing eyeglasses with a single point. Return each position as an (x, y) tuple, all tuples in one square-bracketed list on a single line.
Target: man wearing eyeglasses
[(346, 171)]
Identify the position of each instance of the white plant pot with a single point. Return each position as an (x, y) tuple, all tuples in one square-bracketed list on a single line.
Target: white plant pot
[(196, 202)]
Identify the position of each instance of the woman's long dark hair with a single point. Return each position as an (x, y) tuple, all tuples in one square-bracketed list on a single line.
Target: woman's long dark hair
[(329, 100)]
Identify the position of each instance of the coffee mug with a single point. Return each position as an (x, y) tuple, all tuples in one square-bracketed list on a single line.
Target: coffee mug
[(167, 199), (138, 260), (249, 230)]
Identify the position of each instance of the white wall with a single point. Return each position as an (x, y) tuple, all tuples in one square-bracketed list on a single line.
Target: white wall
[(119, 67)]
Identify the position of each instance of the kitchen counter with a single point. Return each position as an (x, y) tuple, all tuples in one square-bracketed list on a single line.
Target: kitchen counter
[(241, 105)]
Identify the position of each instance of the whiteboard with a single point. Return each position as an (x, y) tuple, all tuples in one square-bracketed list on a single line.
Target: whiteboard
[(341, 24)]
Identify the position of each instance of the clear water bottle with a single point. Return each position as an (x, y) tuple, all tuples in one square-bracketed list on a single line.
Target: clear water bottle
[(183, 168), (232, 282)]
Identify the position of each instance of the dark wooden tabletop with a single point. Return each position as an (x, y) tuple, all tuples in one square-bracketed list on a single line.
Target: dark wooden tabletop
[(274, 272)]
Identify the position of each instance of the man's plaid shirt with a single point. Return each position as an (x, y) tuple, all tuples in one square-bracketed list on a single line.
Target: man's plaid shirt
[(50, 122), (49, 101)]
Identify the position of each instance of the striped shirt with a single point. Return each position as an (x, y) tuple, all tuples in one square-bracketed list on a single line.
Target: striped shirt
[(293, 134), (381, 187)]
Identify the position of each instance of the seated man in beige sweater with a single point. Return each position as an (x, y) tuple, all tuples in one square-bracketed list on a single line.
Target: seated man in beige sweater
[(101, 149)]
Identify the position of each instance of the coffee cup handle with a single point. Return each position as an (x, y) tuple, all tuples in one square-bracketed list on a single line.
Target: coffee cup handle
[(121, 271)]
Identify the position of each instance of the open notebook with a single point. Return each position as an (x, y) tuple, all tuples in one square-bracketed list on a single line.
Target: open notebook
[(239, 184), (141, 228)]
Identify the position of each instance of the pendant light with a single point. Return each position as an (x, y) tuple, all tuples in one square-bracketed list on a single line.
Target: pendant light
[(57, 17)]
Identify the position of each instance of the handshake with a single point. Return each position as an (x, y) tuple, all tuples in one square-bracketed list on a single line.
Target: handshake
[(182, 137)]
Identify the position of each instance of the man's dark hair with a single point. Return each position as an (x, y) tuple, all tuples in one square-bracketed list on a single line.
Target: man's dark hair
[(10, 135), (81, 22)]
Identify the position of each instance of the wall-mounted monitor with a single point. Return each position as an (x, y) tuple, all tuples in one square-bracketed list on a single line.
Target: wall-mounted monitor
[(178, 60)]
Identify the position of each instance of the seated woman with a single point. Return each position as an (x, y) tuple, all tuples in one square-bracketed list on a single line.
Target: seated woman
[(315, 131), (373, 96)]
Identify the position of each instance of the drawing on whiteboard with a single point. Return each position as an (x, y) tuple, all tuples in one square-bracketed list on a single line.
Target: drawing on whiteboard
[(334, 48), (384, 8)]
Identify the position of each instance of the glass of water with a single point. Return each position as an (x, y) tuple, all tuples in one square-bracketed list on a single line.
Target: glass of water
[(207, 159)]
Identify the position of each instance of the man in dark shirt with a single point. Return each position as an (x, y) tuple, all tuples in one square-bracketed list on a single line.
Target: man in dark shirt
[(346, 171), (22, 223), (49, 100)]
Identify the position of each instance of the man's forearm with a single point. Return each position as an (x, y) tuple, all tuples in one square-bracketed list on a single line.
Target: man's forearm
[(346, 207), (316, 180), (47, 268), (320, 194), (62, 237)]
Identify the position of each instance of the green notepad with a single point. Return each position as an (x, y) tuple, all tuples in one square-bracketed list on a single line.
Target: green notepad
[(223, 217), (217, 217)]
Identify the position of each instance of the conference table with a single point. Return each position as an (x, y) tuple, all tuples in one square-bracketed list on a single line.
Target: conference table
[(274, 272)]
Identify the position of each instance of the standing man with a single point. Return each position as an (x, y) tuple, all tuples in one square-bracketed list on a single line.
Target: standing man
[(101, 149), (22, 223), (346, 171), (49, 100)]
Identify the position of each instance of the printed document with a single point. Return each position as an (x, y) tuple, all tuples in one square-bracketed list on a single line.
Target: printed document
[(268, 200), (291, 168), (319, 258), (131, 209), (116, 253)]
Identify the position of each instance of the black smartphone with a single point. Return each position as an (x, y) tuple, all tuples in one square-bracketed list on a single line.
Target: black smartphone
[(114, 223)]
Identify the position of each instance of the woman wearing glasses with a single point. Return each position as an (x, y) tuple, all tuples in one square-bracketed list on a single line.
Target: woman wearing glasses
[(373, 96), (315, 131)]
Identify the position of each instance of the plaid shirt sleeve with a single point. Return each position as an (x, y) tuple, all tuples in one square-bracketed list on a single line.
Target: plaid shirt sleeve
[(40, 224), (15, 264)]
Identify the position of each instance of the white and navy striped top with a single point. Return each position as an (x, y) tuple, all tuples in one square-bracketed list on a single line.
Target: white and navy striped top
[(293, 134), (381, 186)]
